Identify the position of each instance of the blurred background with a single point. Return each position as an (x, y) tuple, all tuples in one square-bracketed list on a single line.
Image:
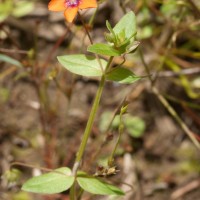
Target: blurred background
[(44, 108)]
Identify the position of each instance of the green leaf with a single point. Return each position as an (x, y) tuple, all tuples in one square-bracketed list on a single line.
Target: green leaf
[(121, 37), (135, 126), (10, 60), (50, 183), (127, 25), (82, 65), (95, 186), (104, 49), (112, 37), (122, 75)]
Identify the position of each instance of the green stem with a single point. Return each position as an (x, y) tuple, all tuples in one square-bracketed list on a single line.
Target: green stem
[(72, 192), (88, 128), (90, 121)]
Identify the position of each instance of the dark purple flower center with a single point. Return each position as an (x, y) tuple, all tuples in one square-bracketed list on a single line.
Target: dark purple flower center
[(72, 3)]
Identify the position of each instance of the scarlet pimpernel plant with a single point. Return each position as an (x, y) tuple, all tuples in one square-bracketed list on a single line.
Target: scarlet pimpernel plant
[(71, 7), (120, 40)]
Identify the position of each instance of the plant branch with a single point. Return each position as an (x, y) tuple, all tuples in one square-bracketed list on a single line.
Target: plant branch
[(88, 129)]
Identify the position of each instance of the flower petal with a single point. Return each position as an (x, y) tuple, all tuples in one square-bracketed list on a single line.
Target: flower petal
[(70, 13), (87, 4), (56, 5)]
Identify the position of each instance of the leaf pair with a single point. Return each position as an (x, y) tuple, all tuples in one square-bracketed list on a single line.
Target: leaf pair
[(89, 66), (61, 179)]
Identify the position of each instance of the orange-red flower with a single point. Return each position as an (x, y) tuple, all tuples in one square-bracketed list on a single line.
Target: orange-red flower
[(71, 7)]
